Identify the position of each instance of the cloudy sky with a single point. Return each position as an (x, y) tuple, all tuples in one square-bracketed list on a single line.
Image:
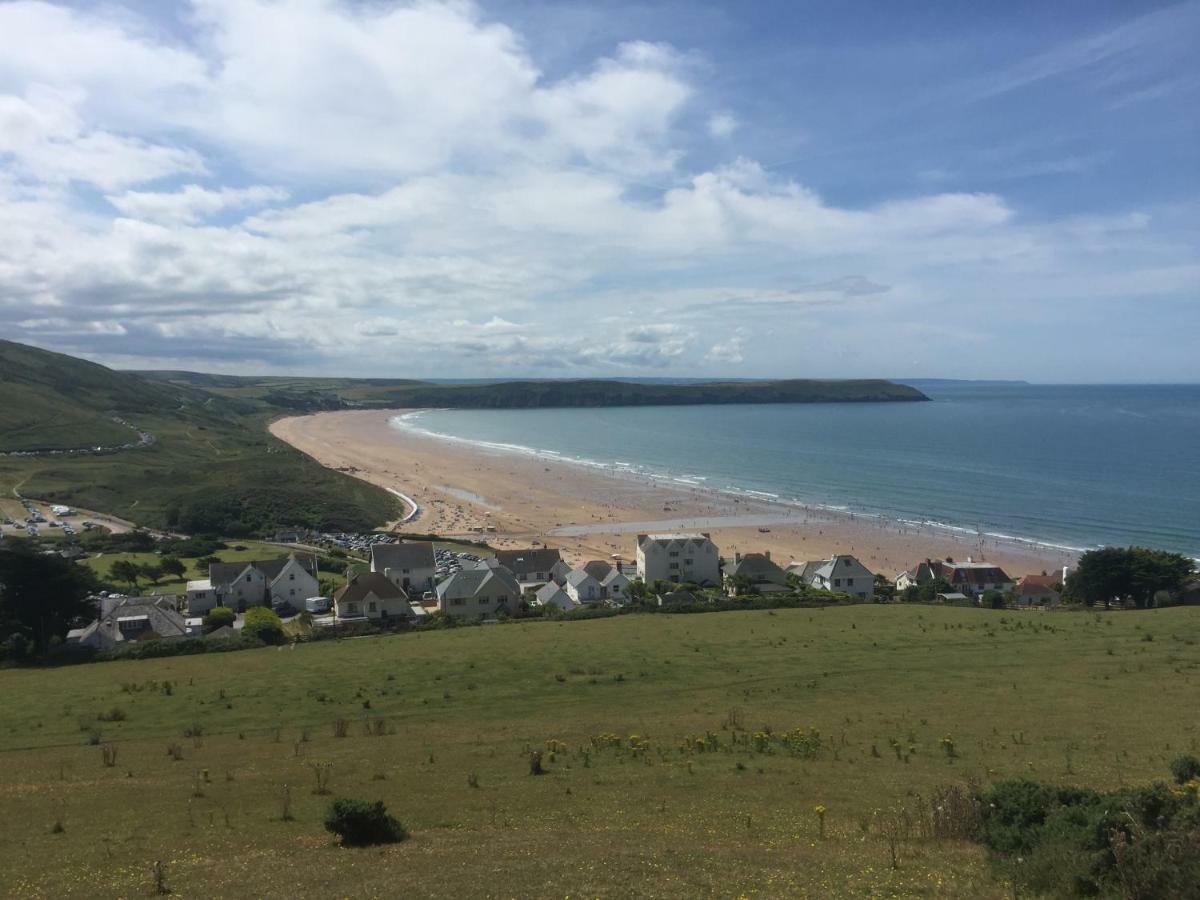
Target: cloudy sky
[(558, 189)]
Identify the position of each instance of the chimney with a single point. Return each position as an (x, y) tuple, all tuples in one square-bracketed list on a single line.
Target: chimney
[(737, 557), (768, 555)]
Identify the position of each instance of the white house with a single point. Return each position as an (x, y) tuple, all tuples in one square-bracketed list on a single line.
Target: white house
[(371, 595), (842, 573), (553, 595), (481, 592), (290, 579), (534, 565), (691, 558), (410, 565)]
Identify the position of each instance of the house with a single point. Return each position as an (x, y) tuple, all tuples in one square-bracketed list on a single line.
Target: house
[(371, 595), (970, 578), (842, 573), (684, 558), (134, 619), (481, 592), (755, 570), (678, 598), (597, 582), (410, 565), (1037, 590), (551, 594), (535, 565), (268, 582)]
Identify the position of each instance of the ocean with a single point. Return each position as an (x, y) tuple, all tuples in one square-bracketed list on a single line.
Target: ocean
[(1067, 466)]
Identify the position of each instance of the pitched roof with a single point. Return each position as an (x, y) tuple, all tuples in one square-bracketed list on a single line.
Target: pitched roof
[(405, 555), (162, 619), (598, 569), (551, 593), (470, 582), (359, 586), (226, 573), (578, 577), (842, 564), (535, 559), (1040, 580), (756, 567)]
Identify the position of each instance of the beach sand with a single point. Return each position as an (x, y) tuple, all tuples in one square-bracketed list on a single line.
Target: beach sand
[(591, 513)]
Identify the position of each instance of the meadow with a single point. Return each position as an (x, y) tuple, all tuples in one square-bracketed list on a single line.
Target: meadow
[(687, 754)]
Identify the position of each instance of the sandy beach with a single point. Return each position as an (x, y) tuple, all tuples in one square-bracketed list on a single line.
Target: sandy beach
[(593, 513)]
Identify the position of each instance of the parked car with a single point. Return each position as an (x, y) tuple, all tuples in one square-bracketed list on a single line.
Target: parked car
[(318, 604)]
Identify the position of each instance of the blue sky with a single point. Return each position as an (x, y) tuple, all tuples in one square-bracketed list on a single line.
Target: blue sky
[(568, 189)]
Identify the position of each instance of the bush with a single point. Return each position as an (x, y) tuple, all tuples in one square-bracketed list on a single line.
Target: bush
[(263, 624), (1137, 843), (1185, 768), (219, 617), (362, 824)]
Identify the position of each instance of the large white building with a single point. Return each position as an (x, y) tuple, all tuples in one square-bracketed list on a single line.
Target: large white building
[(682, 558), (291, 579)]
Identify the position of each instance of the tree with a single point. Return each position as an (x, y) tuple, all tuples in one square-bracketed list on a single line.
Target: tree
[(1127, 574), (173, 566), (153, 573), (41, 596), (219, 617), (263, 624), (127, 571)]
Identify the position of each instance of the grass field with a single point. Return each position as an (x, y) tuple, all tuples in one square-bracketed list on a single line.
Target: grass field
[(1078, 698)]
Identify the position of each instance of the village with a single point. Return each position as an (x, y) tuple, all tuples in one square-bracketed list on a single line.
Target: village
[(410, 582)]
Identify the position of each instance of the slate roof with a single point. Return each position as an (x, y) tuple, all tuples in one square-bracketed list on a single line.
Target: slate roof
[(471, 582), (551, 593), (598, 569), (220, 574), (757, 567), (406, 555), (358, 587), (162, 619), (535, 559), (578, 577)]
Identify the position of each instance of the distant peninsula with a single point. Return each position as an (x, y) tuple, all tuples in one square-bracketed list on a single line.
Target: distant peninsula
[(314, 394)]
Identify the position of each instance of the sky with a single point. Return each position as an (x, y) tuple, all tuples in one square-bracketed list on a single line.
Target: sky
[(568, 189)]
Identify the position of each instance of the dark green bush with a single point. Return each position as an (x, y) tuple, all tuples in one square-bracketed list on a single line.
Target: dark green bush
[(1061, 842), (362, 824), (219, 617), (1185, 768), (263, 624)]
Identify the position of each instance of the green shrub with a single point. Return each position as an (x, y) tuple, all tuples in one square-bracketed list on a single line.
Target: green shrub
[(263, 624), (219, 617), (362, 824), (1185, 768)]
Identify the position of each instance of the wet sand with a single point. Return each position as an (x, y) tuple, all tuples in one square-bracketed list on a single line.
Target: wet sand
[(593, 514)]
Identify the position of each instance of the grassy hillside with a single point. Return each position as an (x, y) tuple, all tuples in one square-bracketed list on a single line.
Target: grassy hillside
[(212, 467), (52, 401), (338, 393), (1079, 699)]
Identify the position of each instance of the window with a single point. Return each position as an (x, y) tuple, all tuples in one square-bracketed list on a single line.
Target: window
[(457, 601), (292, 592), (371, 606), (688, 562), (484, 601), (405, 571), (291, 576), (674, 566), (674, 553), (849, 582), (837, 582)]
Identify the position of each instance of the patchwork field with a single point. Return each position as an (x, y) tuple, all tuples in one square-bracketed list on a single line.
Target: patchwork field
[(678, 777)]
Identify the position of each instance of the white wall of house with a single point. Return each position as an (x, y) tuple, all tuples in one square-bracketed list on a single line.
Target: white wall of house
[(587, 590), (691, 559), (484, 605), (373, 607), (294, 584)]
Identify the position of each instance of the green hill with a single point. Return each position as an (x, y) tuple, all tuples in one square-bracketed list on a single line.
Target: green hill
[(54, 401), (212, 466), (343, 393)]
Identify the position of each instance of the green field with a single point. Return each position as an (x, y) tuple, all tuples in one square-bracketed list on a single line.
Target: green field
[(1077, 698)]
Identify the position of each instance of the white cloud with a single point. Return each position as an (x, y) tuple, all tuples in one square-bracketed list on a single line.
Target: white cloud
[(191, 203), (722, 125), (386, 175)]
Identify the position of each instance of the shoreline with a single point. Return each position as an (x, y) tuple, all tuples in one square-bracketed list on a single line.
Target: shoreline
[(589, 511)]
